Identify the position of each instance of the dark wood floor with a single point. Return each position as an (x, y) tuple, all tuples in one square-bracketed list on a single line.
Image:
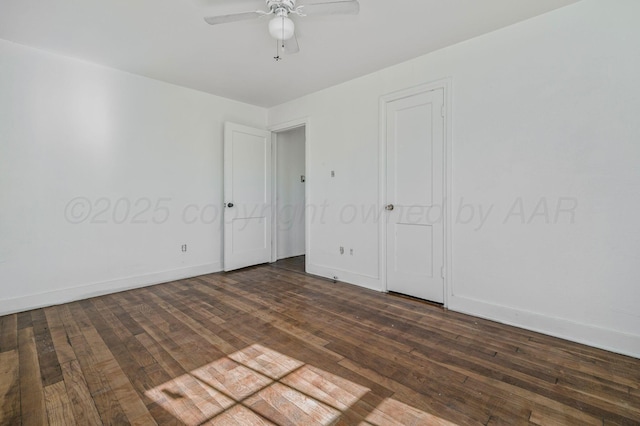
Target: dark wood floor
[(294, 264), (270, 346)]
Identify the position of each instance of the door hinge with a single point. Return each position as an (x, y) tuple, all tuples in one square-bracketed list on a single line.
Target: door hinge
[(442, 111), (442, 271)]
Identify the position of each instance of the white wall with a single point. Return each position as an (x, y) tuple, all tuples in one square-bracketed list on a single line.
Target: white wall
[(290, 192), (543, 110), (75, 139)]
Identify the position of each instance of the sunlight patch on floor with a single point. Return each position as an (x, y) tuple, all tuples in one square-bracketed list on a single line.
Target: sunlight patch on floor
[(190, 400), (392, 412), (257, 383)]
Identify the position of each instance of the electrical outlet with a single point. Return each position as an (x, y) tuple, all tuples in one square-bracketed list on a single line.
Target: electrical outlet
[(341, 250), (333, 173), (183, 248)]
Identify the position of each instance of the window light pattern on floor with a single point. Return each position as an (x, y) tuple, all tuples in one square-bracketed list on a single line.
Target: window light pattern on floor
[(260, 386)]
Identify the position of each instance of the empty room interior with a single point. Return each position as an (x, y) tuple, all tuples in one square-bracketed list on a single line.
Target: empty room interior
[(313, 212)]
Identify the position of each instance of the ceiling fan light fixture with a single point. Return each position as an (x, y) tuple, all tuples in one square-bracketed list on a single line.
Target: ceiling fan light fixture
[(281, 28)]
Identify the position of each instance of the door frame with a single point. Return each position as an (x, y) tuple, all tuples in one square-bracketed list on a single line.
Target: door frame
[(275, 129), (446, 85)]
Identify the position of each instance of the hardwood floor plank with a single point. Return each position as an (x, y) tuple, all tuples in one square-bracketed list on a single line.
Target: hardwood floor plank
[(82, 404), (297, 407), (419, 381), (162, 357), (59, 410), (31, 390), (275, 339), (239, 416), (111, 305), (24, 320), (293, 264), (129, 400), (268, 345), (524, 397), (8, 332), (392, 412), (71, 326), (584, 401), (59, 337), (262, 311), (105, 400), (546, 416), (573, 364), (606, 392), (9, 388), (47, 355), (109, 320), (132, 357), (178, 352), (188, 341), (192, 320), (162, 416), (550, 379), (415, 399), (329, 389)]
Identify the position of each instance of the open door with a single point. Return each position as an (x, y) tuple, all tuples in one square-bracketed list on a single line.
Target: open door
[(247, 196)]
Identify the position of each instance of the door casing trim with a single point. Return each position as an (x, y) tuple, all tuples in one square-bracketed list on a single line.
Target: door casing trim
[(445, 84), (275, 129)]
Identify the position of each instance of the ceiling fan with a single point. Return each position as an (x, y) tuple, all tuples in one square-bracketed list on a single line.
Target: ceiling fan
[(281, 27)]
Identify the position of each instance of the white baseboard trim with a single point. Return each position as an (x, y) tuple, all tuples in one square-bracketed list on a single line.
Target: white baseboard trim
[(289, 255), (345, 276), (610, 340), (56, 297)]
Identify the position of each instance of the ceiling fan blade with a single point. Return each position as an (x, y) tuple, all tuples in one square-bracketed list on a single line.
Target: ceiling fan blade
[(234, 17), (291, 45), (346, 7)]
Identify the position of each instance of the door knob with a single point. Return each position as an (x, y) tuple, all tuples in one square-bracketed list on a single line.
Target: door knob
[(389, 207), (229, 205)]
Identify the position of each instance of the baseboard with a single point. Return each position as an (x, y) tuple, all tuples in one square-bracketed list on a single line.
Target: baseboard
[(610, 340), (56, 297), (345, 276), (288, 256)]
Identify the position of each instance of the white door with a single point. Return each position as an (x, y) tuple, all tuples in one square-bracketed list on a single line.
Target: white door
[(247, 196), (414, 187)]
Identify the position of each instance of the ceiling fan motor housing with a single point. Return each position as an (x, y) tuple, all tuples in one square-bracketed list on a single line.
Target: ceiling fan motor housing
[(279, 5)]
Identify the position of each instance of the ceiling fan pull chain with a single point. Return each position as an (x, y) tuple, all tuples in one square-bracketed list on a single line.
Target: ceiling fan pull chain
[(277, 57)]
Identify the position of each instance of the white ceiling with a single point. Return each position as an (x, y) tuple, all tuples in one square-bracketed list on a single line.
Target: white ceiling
[(168, 39)]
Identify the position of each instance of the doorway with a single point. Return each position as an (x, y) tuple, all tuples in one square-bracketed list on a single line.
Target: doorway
[(290, 195)]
